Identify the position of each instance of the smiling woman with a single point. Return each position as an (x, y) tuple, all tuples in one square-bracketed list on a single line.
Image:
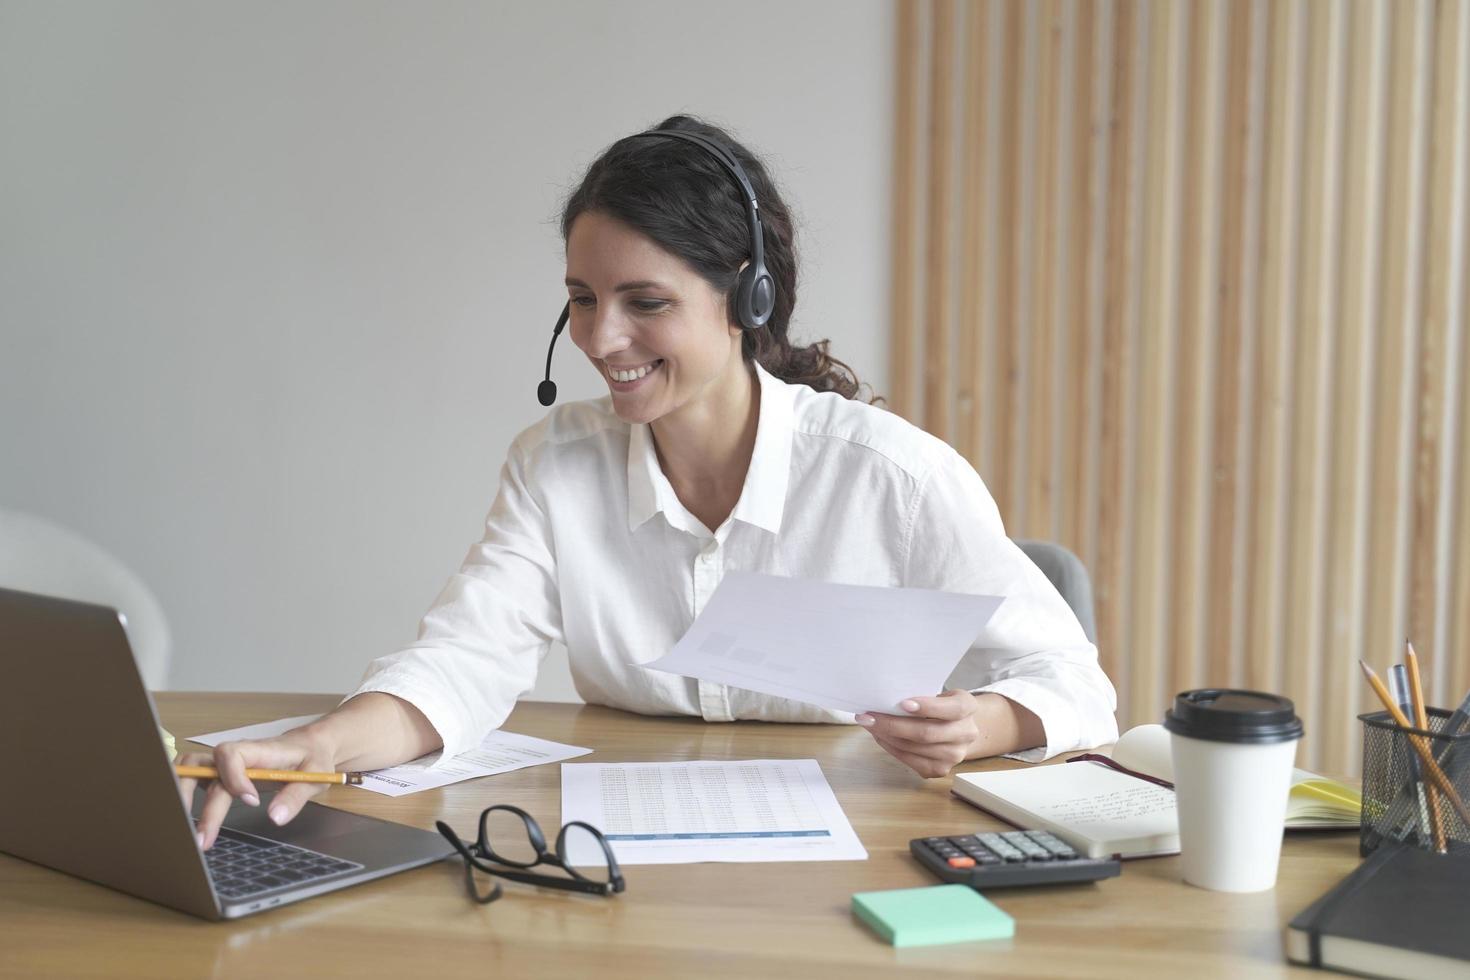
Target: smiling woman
[(683, 199), (720, 446), (652, 327)]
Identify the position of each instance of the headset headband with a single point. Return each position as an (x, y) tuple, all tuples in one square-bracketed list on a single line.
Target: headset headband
[(755, 290)]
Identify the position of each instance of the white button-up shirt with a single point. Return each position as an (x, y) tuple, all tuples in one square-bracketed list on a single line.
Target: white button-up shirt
[(588, 545)]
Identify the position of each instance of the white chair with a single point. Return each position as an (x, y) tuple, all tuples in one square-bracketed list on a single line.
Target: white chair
[(37, 555)]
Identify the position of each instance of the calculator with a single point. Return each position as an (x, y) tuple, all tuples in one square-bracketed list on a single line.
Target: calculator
[(1008, 859)]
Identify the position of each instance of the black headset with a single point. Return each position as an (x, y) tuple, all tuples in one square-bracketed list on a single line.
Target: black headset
[(755, 290)]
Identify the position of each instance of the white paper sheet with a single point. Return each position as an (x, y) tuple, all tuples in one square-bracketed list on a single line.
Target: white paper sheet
[(497, 752), (685, 812), (848, 647), (266, 729)]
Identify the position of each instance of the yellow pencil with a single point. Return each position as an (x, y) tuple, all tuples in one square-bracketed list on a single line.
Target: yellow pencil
[(1431, 768), (1421, 718), (275, 775)]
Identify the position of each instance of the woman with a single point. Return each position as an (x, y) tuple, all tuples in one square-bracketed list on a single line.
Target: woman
[(721, 446)]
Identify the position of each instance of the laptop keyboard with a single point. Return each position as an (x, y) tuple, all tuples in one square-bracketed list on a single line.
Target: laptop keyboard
[(242, 865)]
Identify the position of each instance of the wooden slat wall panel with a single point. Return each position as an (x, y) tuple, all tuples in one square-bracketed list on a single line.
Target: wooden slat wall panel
[(1114, 503), (1192, 377), (1284, 77), (1079, 437), (906, 150), (1158, 307), (938, 311), (1037, 461), (1396, 345), (1428, 552), (975, 204), (1235, 295), (1450, 292), (1305, 598), (1361, 204), (1192, 281)]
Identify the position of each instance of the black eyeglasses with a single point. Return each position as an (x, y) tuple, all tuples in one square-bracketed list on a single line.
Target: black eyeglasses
[(522, 845)]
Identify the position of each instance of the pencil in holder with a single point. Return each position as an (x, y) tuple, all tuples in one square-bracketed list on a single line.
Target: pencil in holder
[(1400, 802)]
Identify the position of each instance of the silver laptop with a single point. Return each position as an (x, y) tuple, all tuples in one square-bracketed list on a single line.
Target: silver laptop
[(101, 800)]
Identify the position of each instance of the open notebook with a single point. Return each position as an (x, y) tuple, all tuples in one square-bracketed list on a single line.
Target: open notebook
[(1101, 811)]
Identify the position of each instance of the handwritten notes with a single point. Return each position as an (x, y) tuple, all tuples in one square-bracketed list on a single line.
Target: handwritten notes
[(1144, 808)]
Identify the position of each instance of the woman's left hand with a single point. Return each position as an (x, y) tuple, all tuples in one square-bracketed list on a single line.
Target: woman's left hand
[(937, 734)]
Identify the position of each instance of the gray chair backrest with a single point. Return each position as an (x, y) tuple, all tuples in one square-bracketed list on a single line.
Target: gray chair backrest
[(1069, 575), (37, 555)]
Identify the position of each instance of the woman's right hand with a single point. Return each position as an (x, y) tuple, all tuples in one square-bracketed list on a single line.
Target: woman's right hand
[(296, 749)]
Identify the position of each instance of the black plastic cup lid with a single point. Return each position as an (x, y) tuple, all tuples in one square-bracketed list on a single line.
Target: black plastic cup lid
[(1224, 715)]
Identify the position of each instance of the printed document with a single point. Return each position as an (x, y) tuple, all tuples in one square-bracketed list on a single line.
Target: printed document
[(497, 752), (848, 647), (685, 812)]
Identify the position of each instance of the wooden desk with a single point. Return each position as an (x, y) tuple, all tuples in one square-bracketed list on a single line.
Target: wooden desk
[(705, 920)]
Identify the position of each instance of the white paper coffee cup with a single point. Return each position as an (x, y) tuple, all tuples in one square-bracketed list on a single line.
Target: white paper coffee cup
[(1233, 753)]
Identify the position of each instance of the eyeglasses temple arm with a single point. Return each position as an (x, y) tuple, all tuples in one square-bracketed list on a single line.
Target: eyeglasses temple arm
[(547, 881)]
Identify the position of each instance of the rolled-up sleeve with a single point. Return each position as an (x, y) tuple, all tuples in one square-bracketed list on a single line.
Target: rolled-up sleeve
[(1033, 651), (480, 645)]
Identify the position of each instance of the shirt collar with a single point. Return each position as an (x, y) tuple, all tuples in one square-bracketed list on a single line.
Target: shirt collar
[(762, 499)]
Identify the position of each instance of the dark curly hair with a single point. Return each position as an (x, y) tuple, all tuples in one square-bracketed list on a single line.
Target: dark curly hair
[(679, 196)]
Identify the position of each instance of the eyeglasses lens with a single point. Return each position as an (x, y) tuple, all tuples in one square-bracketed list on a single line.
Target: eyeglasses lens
[(506, 835), (586, 855)]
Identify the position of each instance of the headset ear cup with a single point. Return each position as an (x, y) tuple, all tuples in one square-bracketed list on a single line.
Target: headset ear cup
[(755, 297)]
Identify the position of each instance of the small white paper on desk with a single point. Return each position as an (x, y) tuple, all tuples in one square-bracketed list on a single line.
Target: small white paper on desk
[(266, 729), (497, 752), (685, 812), (848, 647)]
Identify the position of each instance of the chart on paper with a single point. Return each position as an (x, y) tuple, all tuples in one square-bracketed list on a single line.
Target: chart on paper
[(710, 801), (758, 810)]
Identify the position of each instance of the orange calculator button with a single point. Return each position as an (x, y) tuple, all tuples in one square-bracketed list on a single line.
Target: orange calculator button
[(963, 862)]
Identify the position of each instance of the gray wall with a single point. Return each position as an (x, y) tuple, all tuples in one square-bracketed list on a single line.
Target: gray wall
[(276, 278)]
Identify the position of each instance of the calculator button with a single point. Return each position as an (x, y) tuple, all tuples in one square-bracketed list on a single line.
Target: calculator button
[(962, 862), (1003, 848), (1029, 847), (1057, 847)]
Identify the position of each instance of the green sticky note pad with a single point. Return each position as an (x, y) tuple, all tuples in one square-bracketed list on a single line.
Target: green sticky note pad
[(931, 915)]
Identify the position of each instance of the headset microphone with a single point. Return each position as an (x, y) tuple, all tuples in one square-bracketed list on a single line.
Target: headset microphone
[(755, 289), (546, 390)]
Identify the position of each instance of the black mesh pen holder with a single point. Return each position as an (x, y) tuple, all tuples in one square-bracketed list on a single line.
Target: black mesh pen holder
[(1400, 803)]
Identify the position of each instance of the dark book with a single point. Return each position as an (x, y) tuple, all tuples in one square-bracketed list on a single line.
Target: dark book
[(1402, 913)]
